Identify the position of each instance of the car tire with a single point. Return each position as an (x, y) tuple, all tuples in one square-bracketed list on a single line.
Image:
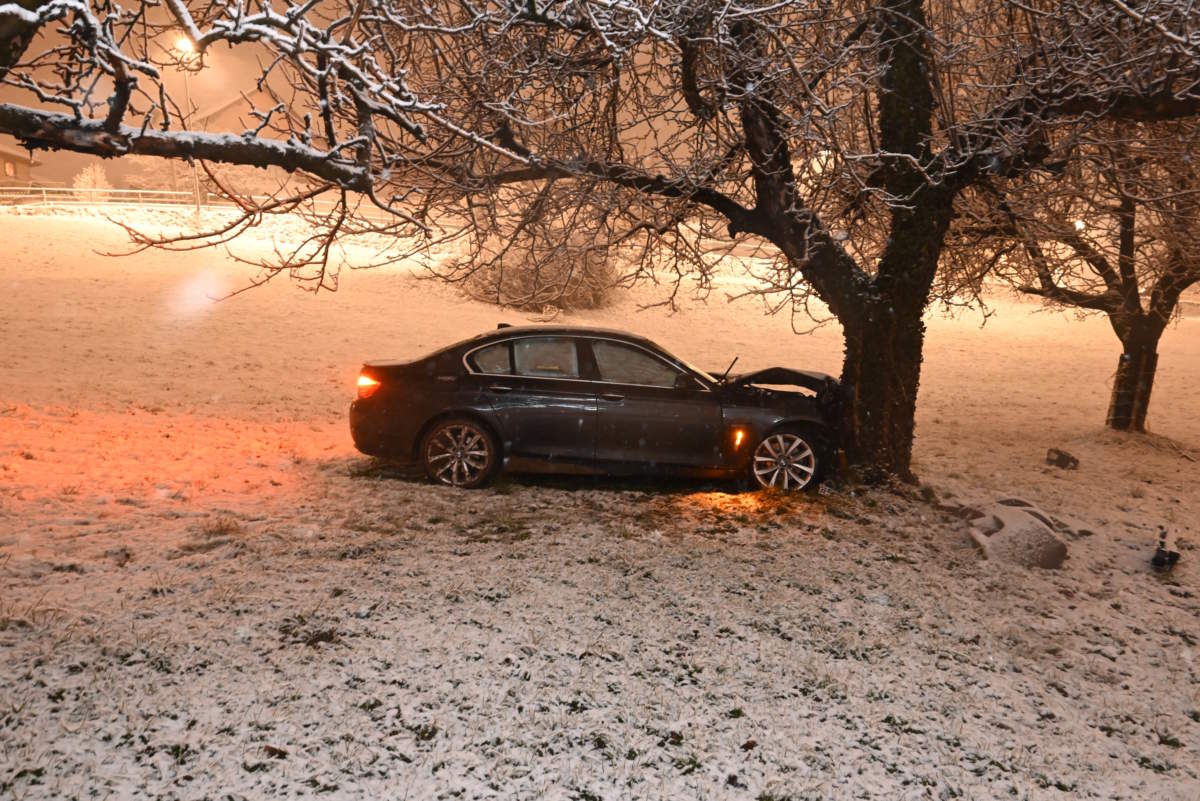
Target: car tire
[(460, 452), (789, 460)]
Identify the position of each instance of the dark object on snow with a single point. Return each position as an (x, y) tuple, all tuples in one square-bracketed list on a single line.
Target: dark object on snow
[(565, 399), (1062, 459), (1164, 559), (320, 636)]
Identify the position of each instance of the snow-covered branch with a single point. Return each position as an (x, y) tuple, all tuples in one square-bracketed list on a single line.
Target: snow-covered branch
[(42, 129)]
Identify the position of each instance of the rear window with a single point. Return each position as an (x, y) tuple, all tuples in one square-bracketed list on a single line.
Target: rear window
[(493, 359), (546, 357)]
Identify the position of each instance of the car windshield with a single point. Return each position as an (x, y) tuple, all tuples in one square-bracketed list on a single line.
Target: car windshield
[(693, 368)]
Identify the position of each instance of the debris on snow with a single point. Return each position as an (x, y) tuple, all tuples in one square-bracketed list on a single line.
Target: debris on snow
[(1061, 459), (1016, 531), (1165, 556)]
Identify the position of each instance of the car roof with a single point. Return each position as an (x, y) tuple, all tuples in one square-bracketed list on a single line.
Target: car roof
[(553, 330), (509, 331)]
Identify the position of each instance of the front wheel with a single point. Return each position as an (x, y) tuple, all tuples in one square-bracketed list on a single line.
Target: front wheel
[(786, 460), (459, 452)]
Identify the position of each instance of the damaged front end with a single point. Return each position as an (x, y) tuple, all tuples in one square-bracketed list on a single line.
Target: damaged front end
[(825, 388)]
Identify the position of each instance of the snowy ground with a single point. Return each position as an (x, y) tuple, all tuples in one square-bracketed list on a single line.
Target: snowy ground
[(205, 591)]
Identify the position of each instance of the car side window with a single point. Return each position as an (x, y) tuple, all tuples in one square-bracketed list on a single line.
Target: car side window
[(494, 359), (546, 357), (623, 364)]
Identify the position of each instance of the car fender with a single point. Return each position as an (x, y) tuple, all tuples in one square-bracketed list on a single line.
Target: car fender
[(468, 412)]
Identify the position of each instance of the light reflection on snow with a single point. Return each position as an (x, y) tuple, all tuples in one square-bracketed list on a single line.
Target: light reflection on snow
[(732, 502), (196, 295)]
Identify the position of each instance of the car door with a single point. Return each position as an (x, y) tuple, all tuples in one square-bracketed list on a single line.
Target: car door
[(650, 411), (544, 408)]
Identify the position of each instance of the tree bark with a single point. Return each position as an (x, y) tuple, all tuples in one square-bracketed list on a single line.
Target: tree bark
[(881, 369), (1133, 384), (880, 375), (886, 334)]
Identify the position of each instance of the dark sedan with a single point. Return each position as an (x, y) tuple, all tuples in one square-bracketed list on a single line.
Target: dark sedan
[(564, 399)]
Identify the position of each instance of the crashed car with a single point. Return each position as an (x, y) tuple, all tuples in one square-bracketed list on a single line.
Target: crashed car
[(566, 399)]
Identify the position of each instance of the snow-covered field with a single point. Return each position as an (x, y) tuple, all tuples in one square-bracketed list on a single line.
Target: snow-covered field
[(206, 593)]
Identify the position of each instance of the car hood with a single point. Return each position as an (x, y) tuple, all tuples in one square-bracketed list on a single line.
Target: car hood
[(808, 379)]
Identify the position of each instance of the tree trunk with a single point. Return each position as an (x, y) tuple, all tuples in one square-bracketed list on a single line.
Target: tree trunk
[(884, 339), (880, 373), (881, 368), (1132, 386)]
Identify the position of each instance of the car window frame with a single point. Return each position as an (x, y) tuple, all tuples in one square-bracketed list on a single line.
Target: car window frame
[(600, 379), (661, 356), (512, 362), (580, 362), (589, 373), (580, 356)]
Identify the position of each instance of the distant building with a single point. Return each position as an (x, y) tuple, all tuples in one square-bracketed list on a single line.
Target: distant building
[(16, 167)]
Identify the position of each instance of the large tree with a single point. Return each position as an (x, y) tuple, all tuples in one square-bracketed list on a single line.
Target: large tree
[(1115, 229), (839, 135)]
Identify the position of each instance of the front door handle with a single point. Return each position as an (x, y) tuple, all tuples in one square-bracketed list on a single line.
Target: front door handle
[(612, 396), (500, 388)]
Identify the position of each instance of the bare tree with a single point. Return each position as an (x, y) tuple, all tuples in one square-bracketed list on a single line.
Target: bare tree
[(1114, 230), (838, 135)]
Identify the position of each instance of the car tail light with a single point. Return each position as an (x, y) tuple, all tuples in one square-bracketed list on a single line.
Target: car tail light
[(367, 386)]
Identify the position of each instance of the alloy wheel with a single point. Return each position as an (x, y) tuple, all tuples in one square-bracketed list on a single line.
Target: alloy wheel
[(459, 454), (784, 461)]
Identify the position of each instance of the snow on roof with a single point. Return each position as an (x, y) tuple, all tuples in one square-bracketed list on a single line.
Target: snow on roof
[(23, 156)]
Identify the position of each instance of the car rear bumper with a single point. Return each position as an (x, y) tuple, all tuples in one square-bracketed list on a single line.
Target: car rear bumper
[(368, 431)]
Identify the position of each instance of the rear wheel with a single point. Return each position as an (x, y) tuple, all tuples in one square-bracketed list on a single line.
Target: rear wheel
[(459, 452), (787, 460)]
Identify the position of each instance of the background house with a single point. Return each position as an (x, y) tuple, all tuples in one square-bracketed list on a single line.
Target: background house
[(16, 166)]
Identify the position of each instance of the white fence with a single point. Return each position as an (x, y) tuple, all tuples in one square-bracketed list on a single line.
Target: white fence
[(60, 195)]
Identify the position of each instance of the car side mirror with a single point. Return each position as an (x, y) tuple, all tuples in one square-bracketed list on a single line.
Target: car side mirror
[(686, 381)]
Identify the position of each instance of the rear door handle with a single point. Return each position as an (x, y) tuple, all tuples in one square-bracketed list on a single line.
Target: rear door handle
[(612, 396), (500, 388)]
